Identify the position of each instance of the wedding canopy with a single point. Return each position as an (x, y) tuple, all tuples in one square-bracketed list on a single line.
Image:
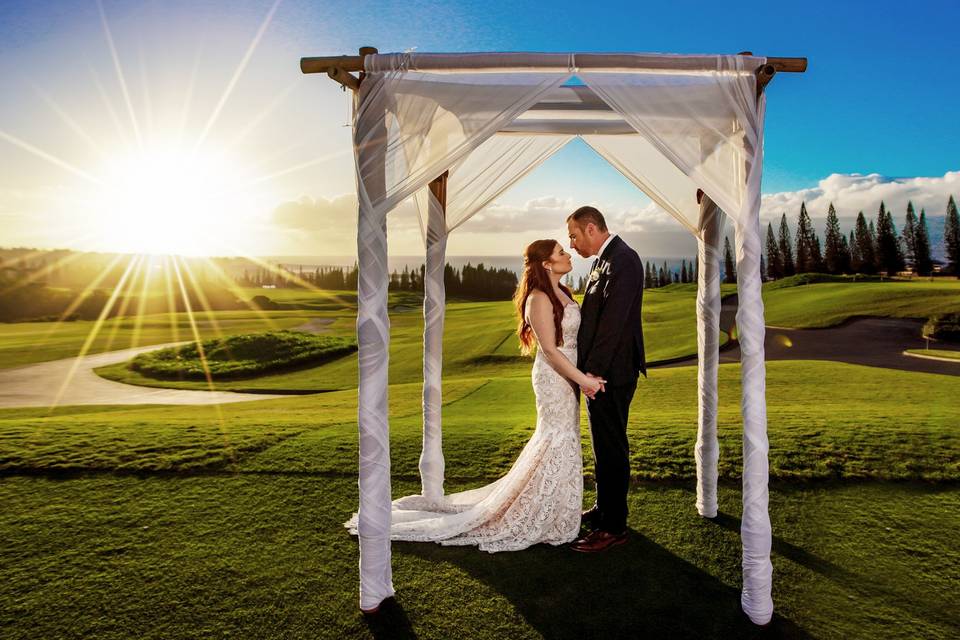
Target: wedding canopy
[(454, 131)]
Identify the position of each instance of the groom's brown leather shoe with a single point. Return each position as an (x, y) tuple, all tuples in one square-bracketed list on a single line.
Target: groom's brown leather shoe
[(598, 541)]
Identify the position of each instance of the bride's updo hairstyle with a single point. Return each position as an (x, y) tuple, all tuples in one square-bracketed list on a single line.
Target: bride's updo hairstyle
[(536, 277)]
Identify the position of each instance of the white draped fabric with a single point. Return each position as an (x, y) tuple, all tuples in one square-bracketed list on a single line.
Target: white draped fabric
[(671, 124), (434, 303), (755, 532), (707, 449)]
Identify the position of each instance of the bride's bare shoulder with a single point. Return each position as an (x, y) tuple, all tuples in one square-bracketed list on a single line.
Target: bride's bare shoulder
[(538, 302)]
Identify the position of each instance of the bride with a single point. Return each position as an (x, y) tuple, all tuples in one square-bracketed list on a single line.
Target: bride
[(540, 498)]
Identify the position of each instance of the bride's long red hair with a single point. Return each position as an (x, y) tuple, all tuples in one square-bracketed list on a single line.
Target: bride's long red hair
[(536, 277)]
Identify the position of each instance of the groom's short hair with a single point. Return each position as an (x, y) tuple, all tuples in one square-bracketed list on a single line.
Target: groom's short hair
[(585, 215)]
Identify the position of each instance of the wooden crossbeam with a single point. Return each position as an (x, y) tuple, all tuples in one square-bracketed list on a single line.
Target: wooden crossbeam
[(323, 64)]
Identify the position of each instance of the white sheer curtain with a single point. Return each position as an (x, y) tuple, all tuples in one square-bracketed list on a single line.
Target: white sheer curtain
[(408, 128), (643, 165), (696, 120)]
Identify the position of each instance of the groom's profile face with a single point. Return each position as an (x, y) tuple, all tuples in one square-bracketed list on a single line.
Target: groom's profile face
[(581, 238)]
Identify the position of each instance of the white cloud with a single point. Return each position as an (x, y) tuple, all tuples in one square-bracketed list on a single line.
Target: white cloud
[(851, 193)]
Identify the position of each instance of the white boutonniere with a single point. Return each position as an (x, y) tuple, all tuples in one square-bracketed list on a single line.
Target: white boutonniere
[(599, 270)]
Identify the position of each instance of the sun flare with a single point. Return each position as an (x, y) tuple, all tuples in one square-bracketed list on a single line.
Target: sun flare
[(171, 201)]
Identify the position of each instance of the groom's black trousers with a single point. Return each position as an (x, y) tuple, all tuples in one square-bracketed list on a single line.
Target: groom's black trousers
[(611, 451)]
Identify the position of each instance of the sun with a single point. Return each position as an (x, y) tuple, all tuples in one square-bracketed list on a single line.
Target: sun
[(166, 200)]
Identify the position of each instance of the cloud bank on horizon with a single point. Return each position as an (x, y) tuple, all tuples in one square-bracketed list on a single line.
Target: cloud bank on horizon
[(307, 225)]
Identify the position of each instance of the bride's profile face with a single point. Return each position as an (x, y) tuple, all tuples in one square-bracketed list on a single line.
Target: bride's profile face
[(560, 261)]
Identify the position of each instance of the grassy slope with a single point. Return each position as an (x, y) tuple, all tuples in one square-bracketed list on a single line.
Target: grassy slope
[(479, 340), (853, 428), (829, 303)]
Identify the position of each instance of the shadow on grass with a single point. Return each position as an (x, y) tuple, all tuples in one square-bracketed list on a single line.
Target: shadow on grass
[(850, 581), (637, 590), (390, 621)]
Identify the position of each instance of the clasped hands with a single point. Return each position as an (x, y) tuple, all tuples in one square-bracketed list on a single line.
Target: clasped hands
[(594, 385)]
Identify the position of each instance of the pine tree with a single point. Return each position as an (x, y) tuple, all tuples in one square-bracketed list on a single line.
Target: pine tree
[(864, 245), (951, 238), (729, 271), (845, 255), (924, 262), (856, 262), (786, 250), (833, 239), (805, 257), (888, 251), (661, 277), (763, 268), (816, 254), (774, 261), (683, 271), (647, 277), (908, 239)]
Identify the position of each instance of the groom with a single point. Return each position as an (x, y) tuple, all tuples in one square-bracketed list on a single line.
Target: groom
[(610, 347)]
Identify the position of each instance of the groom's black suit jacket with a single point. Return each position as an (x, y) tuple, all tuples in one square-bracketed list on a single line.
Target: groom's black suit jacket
[(610, 340)]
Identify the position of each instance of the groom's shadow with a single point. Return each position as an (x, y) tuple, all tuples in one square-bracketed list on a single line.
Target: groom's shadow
[(638, 590)]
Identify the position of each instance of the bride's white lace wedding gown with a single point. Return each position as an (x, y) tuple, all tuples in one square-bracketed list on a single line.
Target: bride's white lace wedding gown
[(538, 500)]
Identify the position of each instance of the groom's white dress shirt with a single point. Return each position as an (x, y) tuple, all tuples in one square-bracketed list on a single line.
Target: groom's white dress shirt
[(604, 245)]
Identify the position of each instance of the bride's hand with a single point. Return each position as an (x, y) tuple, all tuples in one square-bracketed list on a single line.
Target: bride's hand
[(592, 385)]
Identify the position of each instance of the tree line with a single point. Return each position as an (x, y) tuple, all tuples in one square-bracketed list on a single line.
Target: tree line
[(873, 247), (473, 282)]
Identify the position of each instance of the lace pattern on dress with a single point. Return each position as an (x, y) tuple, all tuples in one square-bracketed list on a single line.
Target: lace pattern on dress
[(538, 501)]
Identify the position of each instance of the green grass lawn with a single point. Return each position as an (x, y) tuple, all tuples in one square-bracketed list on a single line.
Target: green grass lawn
[(264, 556), (825, 304), (214, 521), (173, 522), (479, 339)]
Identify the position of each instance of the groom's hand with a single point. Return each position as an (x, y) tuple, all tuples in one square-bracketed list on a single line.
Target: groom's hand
[(593, 389), (600, 380)]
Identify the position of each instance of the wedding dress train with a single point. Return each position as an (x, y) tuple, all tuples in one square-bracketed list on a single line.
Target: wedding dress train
[(538, 501)]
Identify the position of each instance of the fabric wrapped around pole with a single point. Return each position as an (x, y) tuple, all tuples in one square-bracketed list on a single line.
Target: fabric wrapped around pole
[(373, 340), (434, 303), (707, 449), (404, 136), (756, 598)]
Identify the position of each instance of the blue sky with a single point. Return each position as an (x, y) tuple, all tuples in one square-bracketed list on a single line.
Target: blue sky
[(880, 97)]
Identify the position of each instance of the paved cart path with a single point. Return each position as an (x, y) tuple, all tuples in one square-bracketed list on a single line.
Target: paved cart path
[(38, 385), (874, 342)]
